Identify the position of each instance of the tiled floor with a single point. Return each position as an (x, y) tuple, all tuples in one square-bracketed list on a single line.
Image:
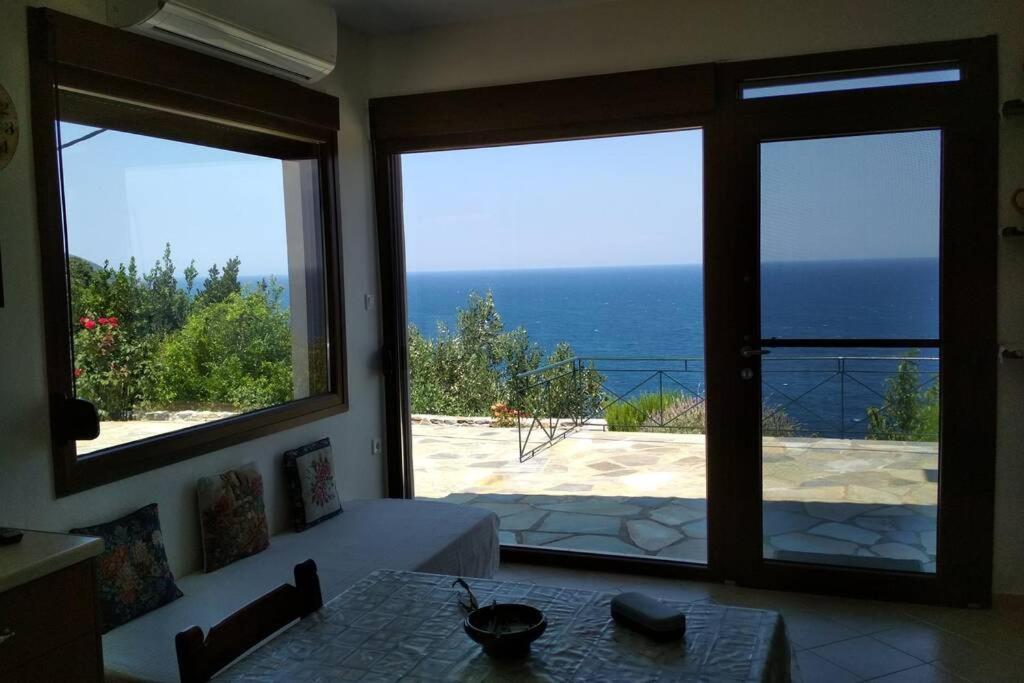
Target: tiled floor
[(837, 640)]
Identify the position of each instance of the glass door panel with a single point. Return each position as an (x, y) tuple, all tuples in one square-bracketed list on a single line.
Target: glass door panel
[(556, 340), (849, 281)]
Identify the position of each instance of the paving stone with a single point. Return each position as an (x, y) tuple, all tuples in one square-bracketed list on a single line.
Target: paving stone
[(604, 544), (459, 497), (915, 523), (674, 515), (891, 511), (522, 520), (596, 506), (700, 504), (698, 529), (836, 512), (928, 541), (540, 537), (499, 497), (646, 502), (574, 523), (501, 509), (808, 543), (651, 535), (636, 459), (846, 532), (572, 487), (690, 549), (899, 551), (780, 522), (876, 523), (506, 537), (902, 537)]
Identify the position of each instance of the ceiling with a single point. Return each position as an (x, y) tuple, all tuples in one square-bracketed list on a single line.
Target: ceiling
[(379, 17)]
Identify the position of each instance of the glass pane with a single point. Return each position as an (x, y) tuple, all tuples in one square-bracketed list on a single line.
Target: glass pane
[(850, 457), (849, 250), (760, 89), (555, 306), (850, 237), (196, 274)]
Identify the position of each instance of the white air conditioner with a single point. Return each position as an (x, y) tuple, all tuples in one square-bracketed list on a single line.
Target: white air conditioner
[(294, 39)]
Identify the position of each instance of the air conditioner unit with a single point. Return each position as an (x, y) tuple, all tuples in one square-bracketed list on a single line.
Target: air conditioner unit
[(294, 39)]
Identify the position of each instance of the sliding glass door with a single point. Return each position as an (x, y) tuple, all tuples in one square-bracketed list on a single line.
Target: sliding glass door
[(730, 321)]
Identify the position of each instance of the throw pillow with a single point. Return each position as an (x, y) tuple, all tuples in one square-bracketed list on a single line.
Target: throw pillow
[(133, 573), (309, 471), (232, 516)]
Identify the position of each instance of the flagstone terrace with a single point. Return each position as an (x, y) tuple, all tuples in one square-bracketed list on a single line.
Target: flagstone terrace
[(843, 501)]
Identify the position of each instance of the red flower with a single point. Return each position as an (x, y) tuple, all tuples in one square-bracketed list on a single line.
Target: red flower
[(78, 372), (81, 321), (103, 321), (112, 321), (89, 324)]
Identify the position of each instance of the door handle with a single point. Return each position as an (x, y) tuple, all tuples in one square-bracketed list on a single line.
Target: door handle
[(750, 352)]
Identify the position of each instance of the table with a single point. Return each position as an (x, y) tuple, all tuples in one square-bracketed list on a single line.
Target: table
[(407, 626)]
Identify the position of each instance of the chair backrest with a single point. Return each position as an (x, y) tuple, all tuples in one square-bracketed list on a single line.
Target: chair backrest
[(200, 658)]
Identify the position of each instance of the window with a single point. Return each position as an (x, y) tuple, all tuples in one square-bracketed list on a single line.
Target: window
[(859, 80), (193, 292)]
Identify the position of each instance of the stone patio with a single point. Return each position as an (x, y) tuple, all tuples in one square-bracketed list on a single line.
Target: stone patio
[(851, 502), (866, 503)]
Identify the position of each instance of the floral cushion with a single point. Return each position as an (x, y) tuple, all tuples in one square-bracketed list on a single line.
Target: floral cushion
[(232, 516), (309, 471), (134, 576)]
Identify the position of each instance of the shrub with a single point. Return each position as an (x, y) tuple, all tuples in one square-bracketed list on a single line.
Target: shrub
[(683, 414), (470, 369), (110, 366), (235, 352), (629, 415)]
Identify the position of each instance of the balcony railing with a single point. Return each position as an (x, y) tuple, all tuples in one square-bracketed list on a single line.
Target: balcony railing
[(881, 397)]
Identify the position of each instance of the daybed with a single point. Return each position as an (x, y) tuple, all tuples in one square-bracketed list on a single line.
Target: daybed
[(413, 535)]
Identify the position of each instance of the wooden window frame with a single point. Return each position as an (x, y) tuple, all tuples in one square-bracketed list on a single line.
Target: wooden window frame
[(199, 94), (708, 96)]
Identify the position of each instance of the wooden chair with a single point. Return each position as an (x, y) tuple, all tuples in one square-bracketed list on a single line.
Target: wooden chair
[(200, 658)]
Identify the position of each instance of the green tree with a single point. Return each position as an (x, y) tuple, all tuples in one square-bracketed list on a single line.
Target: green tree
[(476, 366), (163, 305), (220, 285), (906, 413)]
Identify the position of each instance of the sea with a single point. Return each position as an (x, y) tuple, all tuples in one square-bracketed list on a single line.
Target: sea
[(642, 327)]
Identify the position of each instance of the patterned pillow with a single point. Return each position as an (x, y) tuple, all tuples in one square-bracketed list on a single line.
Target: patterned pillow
[(309, 471), (232, 516), (134, 577)]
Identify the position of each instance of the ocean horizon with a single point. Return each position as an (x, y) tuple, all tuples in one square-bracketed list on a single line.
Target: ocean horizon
[(658, 311)]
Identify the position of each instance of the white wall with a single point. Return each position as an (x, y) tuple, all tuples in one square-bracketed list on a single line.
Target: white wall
[(639, 34), (26, 480)]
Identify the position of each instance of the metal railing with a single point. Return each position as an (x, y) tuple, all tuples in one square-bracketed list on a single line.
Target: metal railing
[(822, 396)]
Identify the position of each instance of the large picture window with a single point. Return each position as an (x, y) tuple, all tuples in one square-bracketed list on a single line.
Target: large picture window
[(196, 267)]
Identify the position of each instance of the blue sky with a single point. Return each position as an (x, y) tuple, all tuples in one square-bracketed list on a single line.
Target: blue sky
[(618, 201), (126, 195), (636, 200)]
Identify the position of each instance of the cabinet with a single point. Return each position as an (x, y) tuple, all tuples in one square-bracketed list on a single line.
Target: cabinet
[(49, 610)]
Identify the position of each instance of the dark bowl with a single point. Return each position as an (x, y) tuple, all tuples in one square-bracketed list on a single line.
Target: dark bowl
[(505, 630)]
